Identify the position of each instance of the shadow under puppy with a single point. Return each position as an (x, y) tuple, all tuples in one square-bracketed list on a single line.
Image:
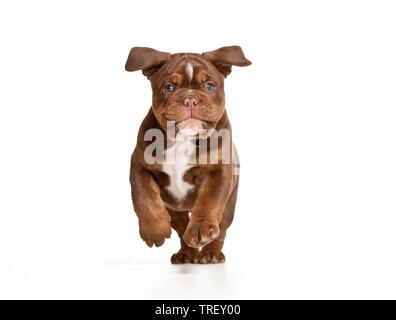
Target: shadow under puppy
[(190, 193)]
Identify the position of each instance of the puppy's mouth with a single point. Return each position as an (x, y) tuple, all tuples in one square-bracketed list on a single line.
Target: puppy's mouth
[(192, 124), (193, 120)]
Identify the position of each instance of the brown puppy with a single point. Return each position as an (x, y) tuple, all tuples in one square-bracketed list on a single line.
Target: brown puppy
[(190, 192)]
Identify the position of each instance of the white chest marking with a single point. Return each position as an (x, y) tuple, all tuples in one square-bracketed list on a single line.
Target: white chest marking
[(177, 162), (189, 71)]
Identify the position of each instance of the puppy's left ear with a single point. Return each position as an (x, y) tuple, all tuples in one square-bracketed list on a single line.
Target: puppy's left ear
[(226, 57), (146, 59)]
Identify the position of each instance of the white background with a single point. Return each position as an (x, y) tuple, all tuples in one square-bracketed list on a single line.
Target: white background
[(313, 118)]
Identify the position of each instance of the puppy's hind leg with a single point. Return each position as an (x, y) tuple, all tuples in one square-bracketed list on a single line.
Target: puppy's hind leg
[(179, 222)]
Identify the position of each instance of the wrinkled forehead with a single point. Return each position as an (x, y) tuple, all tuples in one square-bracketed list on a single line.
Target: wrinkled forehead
[(188, 68)]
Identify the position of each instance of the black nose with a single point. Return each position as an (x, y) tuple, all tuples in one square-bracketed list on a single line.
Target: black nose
[(190, 102)]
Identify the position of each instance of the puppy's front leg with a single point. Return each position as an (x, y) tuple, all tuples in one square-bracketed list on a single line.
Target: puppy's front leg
[(154, 220), (208, 209)]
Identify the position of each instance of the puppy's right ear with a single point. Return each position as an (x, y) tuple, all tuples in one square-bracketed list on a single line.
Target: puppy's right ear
[(146, 59)]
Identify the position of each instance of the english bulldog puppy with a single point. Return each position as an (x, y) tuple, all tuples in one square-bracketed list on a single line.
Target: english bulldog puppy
[(191, 182)]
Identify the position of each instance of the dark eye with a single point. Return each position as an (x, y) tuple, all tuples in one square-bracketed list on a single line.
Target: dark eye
[(169, 88), (209, 86)]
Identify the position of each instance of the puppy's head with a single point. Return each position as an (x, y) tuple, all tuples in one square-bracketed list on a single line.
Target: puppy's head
[(188, 88)]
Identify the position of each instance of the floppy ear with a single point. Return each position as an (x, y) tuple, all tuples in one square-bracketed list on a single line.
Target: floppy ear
[(146, 59), (226, 57)]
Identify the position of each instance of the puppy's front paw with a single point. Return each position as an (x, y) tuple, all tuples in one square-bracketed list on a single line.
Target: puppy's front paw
[(199, 234), (155, 233)]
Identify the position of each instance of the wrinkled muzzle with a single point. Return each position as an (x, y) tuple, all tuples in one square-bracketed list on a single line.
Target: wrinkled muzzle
[(192, 109)]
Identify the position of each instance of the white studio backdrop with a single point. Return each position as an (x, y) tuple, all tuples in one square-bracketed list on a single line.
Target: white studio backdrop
[(313, 118)]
